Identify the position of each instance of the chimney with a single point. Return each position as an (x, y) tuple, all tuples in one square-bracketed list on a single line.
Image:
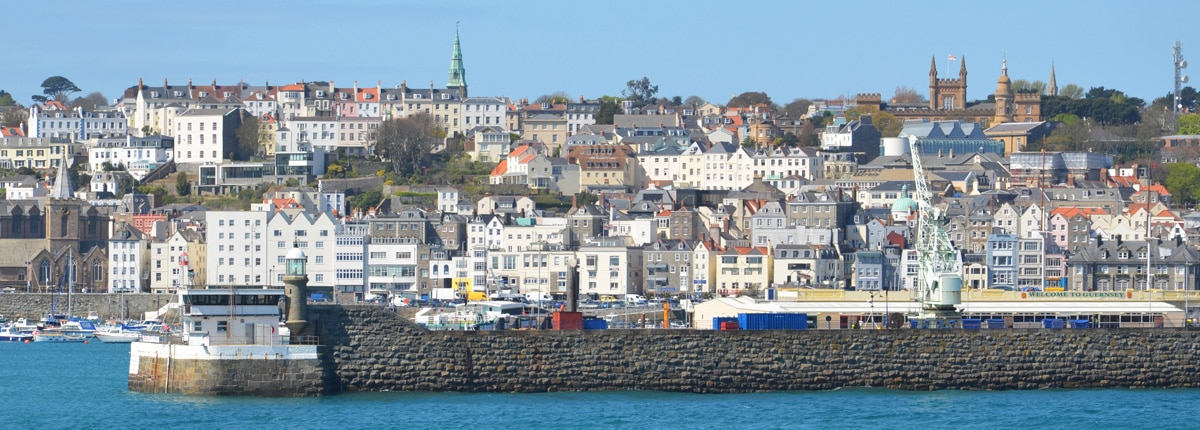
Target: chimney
[(581, 98), (1071, 181)]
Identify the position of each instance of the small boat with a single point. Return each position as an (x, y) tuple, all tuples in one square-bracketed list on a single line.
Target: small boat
[(11, 333), (54, 335), (118, 336)]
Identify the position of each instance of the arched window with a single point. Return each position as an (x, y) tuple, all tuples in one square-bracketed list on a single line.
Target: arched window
[(97, 271), (44, 272)]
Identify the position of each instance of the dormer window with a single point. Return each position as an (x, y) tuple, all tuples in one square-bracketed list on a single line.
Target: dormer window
[(203, 94), (445, 96)]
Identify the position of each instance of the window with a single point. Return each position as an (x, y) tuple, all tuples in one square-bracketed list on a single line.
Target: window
[(222, 326)]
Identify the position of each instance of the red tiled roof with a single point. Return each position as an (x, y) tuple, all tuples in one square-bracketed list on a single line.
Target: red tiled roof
[(11, 132), (292, 87), (500, 168)]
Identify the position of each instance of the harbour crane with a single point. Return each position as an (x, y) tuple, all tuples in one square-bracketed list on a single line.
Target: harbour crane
[(939, 280)]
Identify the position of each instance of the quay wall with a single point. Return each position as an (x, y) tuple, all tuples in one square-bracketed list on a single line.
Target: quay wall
[(108, 306), (367, 348), (235, 370)]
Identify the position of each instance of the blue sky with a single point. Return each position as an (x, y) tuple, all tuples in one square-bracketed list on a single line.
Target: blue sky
[(714, 49)]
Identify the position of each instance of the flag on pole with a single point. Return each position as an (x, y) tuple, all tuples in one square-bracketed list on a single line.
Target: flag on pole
[(952, 57)]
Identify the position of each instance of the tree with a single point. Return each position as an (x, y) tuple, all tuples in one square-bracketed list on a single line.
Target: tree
[(90, 101), (1189, 123), (182, 186), (906, 95), (640, 91), (407, 142), (13, 116), (584, 198), (1183, 181), (58, 88), (695, 101), (6, 99), (749, 98), (553, 98), (1071, 91), (608, 109), (248, 137), (886, 122), (1022, 85), (797, 108)]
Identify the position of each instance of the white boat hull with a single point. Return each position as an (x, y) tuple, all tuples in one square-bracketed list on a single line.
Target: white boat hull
[(118, 337)]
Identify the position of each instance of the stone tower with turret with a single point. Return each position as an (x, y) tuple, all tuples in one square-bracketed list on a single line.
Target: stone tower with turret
[(1004, 97), (947, 94)]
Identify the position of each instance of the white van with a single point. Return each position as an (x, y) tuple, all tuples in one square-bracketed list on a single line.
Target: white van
[(635, 300)]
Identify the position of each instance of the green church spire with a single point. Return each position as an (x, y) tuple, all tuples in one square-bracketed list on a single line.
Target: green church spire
[(458, 73)]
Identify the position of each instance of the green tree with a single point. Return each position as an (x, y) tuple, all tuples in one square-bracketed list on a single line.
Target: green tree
[(608, 109), (6, 99), (640, 91), (407, 142), (1071, 91), (57, 88), (367, 200), (1189, 123), (182, 186), (248, 137), (906, 95), (553, 98), (749, 98), (1183, 181), (694, 101), (585, 198), (886, 122), (13, 116), (1022, 85), (90, 102), (797, 108)]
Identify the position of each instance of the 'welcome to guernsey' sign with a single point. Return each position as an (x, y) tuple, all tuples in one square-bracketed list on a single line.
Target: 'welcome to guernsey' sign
[(1076, 294)]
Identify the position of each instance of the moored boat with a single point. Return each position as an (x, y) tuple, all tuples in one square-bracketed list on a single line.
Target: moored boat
[(54, 335), (119, 336), (12, 333)]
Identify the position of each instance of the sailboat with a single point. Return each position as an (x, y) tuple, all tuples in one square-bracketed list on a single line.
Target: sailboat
[(62, 328)]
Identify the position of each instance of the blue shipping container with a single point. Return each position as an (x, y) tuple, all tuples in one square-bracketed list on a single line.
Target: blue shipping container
[(595, 324), (754, 321), (972, 323), (718, 320)]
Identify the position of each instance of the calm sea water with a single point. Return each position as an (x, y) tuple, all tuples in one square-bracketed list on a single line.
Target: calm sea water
[(58, 386)]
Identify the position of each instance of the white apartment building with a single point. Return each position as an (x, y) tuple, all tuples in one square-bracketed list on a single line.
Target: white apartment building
[(610, 266), (537, 270), (128, 252), (483, 111), (392, 268), (320, 132), (178, 262), (315, 233), (239, 246), (350, 254), (139, 155), (200, 134)]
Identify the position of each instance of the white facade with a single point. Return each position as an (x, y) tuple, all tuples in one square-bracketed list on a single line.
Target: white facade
[(200, 135), (350, 254), (316, 234), (447, 200), (392, 268), (609, 268), (483, 111), (168, 270), (237, 242), (640, 230), (316, 131), (139, 155), (127, 257)]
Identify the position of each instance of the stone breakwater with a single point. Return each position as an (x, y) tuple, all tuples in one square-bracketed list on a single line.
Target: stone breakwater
[(372, 349), (107, 306)]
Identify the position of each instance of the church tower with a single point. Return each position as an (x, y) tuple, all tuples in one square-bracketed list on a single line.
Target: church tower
[(1004, 96), (458, 73), (1052, 88)]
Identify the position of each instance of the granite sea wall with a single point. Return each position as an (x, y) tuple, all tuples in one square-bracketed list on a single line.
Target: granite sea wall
[(107, 306), (372, 349)]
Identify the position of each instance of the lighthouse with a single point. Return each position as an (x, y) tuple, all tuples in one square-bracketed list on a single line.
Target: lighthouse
[(295, 288)]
